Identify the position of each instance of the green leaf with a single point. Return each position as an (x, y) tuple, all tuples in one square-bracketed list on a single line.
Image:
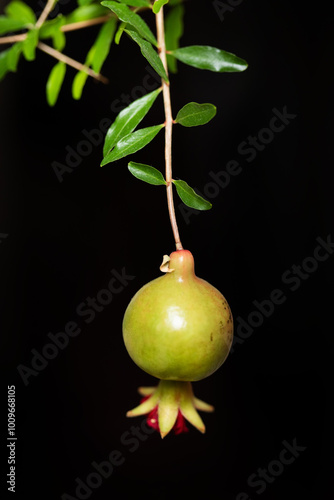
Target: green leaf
[(128, 119), (102, 44), (158, 4), (14, 56), (21, 12), (149, 53), (132, 143), (78, 84), (136, 3), (210, 58), (7, 25), (189, 197), (173, 33), (146, 173), (52, 29), (55, 82), (85, 2), (125, 14), (59, 40), (85, 13), (119, 32), (29, 45), (95, 57), (9, 59), (194, 114), (3, 63), (81, 77)]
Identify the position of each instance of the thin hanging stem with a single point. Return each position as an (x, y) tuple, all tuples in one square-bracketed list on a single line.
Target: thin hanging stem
[(168, 128)]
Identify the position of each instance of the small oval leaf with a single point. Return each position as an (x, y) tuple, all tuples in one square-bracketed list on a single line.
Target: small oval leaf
[(132, 143), (55, 82), (146, 173), (189, 197), (194, 114), (210, 58)]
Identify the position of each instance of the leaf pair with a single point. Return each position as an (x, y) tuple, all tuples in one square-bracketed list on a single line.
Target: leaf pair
[(120, 139), (152, 176)]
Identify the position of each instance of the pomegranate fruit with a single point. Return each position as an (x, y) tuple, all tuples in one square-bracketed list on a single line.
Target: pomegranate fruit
[(179, 329)]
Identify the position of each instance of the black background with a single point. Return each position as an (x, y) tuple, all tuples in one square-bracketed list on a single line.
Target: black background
[(64, 239)]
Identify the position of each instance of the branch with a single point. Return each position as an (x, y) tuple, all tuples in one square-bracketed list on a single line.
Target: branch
[(85, 24), (66, 27), (71, 62), (13, 38), (47, 9)]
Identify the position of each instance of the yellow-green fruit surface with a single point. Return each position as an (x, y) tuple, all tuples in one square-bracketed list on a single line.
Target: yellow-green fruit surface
[(178, 326)]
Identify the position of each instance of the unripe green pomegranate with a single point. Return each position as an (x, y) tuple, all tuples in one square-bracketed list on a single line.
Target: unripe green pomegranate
[(178, 327)]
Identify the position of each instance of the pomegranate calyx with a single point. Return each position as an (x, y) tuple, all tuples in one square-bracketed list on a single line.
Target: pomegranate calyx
[(169, 405)]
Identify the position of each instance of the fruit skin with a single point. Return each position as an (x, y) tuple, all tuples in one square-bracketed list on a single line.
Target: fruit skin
[(178, 326)]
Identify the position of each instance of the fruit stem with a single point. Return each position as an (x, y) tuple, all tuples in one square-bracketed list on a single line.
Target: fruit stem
[(168, 128)]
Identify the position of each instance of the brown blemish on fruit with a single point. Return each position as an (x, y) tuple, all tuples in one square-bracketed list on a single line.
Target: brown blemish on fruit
[(211, 337)]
